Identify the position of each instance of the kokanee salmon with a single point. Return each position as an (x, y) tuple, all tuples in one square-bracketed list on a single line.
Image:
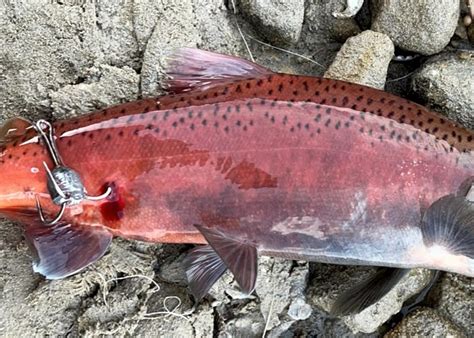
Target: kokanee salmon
[(250, 162)]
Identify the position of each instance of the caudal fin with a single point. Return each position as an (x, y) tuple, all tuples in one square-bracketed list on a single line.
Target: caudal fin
[(449, 222), (190, 68)]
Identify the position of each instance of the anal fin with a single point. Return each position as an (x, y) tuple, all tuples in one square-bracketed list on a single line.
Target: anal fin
[(239, 256), (203, 268), (367, 292), (65, 248)]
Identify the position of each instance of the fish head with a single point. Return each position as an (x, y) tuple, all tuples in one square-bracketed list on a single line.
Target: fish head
[(22, 173)]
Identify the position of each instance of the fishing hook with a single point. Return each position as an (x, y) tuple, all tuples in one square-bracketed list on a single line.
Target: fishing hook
[(65, 186)]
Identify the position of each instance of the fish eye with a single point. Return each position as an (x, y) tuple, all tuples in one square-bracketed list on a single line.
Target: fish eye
[(14, 128)]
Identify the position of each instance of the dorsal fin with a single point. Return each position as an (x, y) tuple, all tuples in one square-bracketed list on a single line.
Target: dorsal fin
[(190, 69)]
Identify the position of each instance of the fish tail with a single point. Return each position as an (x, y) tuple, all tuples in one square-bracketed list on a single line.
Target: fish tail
[(449, 223)]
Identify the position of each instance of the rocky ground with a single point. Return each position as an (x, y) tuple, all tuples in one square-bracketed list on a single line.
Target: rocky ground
[(60, 58)]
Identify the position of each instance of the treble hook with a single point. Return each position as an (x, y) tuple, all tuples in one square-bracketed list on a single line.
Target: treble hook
[(43, 218), (64, 184)]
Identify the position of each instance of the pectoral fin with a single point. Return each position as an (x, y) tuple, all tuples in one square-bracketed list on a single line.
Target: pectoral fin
[(204, 268), (367, 292), (65, 248)]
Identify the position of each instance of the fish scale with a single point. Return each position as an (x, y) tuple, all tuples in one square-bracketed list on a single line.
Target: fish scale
[(251, 162)]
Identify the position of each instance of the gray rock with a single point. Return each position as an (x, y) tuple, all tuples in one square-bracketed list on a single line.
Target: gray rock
[(321, 27), (279, 21), (330, 281), (40, 50), (454, 299), (363, 59), (353, 7), (425, 322), (280, 282), (188, 24), (104, 86), (446, 84), (176, 31), (299, 309), (424, 27)]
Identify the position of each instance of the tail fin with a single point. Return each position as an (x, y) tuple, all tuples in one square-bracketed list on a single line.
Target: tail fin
[(449, 222)]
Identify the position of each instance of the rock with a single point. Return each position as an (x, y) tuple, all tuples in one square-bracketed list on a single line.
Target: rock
[(446, 84), (299, 309), (279, 21), (320, 26), (176, 31), (43, 307), (470, 33), (40, 50), (423, 27), (104, 86), (279, 284), (329, 281), (424, 322), (216, 25), (187, 24), (353, 7), (363, 59), (454, 300)]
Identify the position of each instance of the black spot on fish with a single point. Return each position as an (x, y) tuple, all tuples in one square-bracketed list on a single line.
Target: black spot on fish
[(305, 86)]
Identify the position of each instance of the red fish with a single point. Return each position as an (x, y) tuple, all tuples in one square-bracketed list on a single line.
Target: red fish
[(253, 162)]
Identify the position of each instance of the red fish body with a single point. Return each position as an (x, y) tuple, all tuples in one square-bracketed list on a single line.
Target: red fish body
[(293, 166)]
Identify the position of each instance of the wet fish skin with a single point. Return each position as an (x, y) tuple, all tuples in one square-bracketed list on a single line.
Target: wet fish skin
[(277, 164)]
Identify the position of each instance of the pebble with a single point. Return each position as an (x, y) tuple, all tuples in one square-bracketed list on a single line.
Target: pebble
[(446, 84), (423, 27), (267, 18), (363, 59)]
